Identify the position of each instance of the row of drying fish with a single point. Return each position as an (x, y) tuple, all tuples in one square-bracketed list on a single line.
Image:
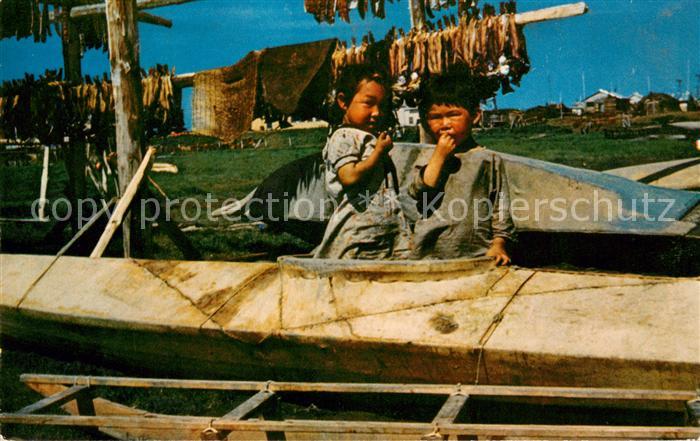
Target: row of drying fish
[(492, 45), (326, 10), (25, 18), (51, 109)]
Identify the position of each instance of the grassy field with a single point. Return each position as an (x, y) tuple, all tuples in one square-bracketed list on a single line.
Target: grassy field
[(228, 172), (222, 173)]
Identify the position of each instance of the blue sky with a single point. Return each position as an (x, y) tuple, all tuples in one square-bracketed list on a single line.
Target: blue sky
[(623, 45)]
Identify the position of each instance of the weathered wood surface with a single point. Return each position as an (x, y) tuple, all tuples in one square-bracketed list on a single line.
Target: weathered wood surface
[(399, 322), (57, 399), (553, 13), (358, 427), (99, 8), (141, 425), (364, 388), (123, 39)]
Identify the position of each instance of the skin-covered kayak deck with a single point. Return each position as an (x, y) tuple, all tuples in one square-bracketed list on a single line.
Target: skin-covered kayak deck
[(457, 321)]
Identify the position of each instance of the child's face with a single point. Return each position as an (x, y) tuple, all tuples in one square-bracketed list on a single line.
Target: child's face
[(454, 121), (364, 111)]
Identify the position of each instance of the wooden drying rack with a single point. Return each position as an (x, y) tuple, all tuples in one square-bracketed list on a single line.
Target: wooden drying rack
[(260, 412)]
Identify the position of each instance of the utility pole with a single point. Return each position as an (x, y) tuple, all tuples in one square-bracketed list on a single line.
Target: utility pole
[(123, 38)]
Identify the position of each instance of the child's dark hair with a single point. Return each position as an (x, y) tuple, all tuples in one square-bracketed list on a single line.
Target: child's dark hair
[(456, 88), (349, 82)]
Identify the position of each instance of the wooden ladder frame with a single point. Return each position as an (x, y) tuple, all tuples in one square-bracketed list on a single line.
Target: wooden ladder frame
[(263, 404)]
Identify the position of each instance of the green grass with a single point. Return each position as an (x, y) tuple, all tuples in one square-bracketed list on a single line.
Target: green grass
[(223, 173), (592, 151)]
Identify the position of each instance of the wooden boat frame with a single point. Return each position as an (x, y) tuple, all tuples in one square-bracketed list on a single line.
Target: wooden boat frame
[(260, 412)]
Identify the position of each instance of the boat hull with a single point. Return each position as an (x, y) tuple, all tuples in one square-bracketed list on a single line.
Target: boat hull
[(437, 322)]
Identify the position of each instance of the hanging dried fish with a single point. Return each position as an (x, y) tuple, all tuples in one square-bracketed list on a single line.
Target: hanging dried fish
[(343, 10)]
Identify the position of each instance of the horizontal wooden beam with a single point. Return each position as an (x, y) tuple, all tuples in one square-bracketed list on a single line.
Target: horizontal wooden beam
[(388, 388), (553, 13), (56, 399), (145, 17), (99, 8), (183, 80), (356, 427)]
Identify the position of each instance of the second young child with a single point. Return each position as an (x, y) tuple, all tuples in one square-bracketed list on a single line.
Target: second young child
[(368, 222), (462, 191)]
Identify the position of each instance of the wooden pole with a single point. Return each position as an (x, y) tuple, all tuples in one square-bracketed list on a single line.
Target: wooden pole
[(145, 17), (553, 13), (75, 158), (123, 39), (120, 211), (44, 184)]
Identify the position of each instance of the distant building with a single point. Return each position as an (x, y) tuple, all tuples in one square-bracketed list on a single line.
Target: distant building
[(658, 103), (408, 116), (687, 102), (603, 101)]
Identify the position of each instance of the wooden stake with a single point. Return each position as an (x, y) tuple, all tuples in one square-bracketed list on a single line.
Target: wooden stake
[(126, 85), (86, 227), (120, 211), (44, 184)]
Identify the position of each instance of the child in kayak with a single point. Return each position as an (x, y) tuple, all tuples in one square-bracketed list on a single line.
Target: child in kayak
[(476, 221), (359, 174)]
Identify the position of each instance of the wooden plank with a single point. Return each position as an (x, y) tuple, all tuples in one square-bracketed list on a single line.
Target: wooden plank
[(81, 11), (450, 410), (553, 13), (145, 17), (123, 37), (56, 399), (427, 389), (123, 205), (248, 406), (356, 427)]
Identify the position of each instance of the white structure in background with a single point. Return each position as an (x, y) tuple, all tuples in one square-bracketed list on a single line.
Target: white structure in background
[(598, 102), (408, 116), (636, 98)]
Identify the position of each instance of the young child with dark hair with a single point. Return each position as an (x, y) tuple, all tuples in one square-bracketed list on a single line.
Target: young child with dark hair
[(476, 219), (368, 222)]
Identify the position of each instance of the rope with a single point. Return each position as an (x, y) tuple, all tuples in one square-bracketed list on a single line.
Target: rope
[(495, 321)]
